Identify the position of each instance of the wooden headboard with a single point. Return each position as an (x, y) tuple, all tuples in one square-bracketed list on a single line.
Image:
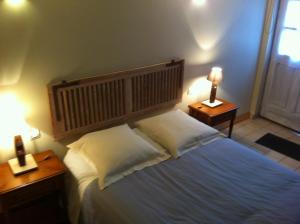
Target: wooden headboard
[(81, 106)]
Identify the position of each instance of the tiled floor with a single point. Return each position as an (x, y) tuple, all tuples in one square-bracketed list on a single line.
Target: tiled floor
[(247, 132)]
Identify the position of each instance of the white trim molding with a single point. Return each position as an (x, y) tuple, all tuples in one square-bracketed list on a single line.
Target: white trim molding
[(264, 55)]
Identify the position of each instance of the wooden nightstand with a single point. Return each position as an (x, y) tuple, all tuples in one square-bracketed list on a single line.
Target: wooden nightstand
[(214, 115), (34, 197)]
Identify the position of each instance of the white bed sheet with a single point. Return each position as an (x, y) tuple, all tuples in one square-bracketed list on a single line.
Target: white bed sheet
[(81, 174)]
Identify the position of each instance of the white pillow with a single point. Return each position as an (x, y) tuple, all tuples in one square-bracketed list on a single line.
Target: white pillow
[(177, 131), (117, 152), (156, 145), (79, 166)]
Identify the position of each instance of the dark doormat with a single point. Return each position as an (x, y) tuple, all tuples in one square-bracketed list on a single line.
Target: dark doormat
[(281, 145)]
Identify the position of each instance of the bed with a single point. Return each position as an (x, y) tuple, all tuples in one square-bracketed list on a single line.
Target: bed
[(202, 178), (223, 182)]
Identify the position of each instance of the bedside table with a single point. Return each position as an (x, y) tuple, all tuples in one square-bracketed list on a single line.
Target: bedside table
[(214, 115), (34, 197)]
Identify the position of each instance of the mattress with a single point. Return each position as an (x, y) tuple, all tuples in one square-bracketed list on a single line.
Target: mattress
[(222, 182)]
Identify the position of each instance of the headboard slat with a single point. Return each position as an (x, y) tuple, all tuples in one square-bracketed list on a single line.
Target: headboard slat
[(84, 105)]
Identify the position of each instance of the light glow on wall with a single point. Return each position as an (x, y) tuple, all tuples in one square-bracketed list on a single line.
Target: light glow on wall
[(199, 2), (15, 3), (209, 25), (199, 89), (12, 120)]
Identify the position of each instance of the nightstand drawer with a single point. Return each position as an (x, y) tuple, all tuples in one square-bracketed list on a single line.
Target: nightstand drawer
[(30, 192), (200, 116), (222, 118)]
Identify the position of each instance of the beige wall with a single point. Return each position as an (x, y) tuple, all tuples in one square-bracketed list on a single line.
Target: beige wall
[(54, 40)]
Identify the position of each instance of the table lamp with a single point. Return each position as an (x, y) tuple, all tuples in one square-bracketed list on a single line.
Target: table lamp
[(215, 76), (13, 129)]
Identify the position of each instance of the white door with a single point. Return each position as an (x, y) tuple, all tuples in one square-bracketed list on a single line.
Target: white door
[(281, 101)]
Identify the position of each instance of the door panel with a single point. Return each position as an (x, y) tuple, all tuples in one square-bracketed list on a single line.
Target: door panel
[(297, 91), (280, 90), (281, 100)]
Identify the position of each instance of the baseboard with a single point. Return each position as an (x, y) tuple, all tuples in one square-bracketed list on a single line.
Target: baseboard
[(242, 117)]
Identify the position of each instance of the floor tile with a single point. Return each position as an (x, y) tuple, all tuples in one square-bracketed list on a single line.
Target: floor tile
[(242, 123), (295, 138), (285, 133), (260, 122), (256, 134), (275, 155), (245, 141), (247, 132), (274, 127), (264, 150), (291, 163), (244, 130)]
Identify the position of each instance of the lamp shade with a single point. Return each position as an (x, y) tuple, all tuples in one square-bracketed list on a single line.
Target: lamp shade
[(12, 120), (215, 75)]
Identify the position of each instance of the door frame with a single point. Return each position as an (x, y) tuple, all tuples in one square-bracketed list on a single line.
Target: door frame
[(264, 59)]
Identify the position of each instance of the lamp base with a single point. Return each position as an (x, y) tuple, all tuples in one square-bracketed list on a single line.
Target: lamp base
[(214, 104), (17, 169)]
